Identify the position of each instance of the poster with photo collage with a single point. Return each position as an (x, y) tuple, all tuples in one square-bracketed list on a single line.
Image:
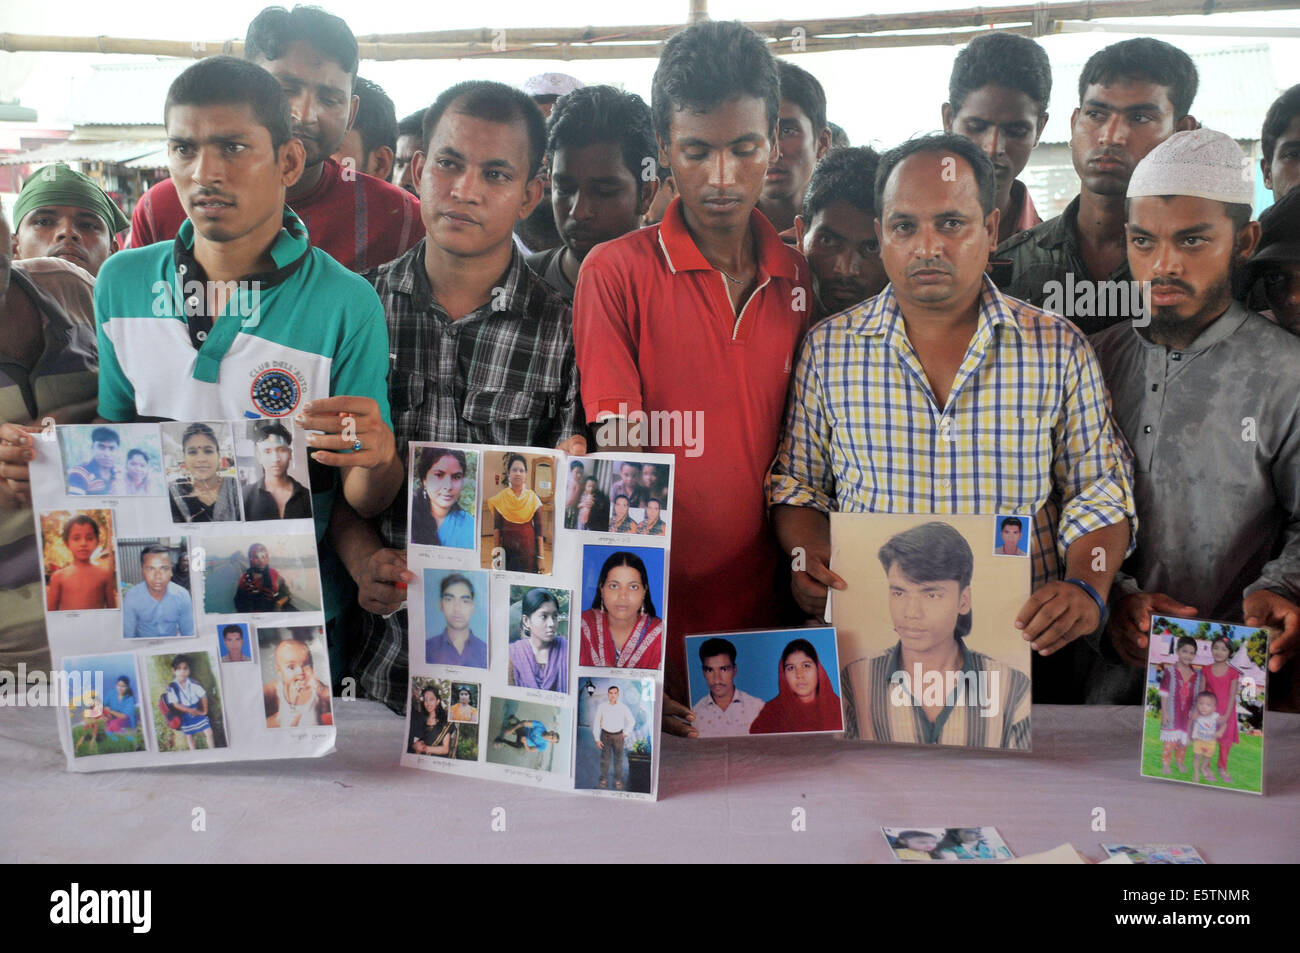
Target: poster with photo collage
[(182, 592), (536, 619)]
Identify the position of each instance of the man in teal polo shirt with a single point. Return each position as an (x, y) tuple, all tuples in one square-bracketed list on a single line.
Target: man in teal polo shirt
[(240, 317)]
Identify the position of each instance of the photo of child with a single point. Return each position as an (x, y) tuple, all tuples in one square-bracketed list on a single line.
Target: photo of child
[(187, 696), (106, 716), (78, 560), (1205, 690)]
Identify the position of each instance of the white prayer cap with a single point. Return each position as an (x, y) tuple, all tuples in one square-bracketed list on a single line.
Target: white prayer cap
[(1199, 162), (551, 84)]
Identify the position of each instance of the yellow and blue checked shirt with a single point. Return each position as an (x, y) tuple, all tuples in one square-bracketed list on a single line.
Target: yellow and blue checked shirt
[(1027, 428)]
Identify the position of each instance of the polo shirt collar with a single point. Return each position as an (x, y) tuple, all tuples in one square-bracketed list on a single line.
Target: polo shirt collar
[(288, 250), (682, 254), (1221, 329), (881, 315)]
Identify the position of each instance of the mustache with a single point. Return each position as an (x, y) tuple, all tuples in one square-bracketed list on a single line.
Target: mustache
[(1172, 283), (930, 265)]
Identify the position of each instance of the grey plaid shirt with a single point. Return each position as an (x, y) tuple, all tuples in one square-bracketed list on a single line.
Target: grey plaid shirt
[(504, 374)]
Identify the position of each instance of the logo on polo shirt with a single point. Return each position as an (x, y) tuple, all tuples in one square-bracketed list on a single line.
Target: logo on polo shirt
[(276, 390)]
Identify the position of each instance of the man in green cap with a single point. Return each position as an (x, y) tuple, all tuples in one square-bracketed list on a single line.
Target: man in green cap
[(64, 214)]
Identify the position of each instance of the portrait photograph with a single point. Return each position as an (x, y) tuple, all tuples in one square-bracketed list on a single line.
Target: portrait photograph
[(295, 676), (1156, 853), (1012, 535), (615, 739), (517, 511), (1204, 707), (638, 483), (272, 463), (234, 642), (261, 573), (106, 710), (444, 493), (435, 730), (185, 701), (539, 638), (112, 460), (946, 843), (528, 734), (156, 599), (199, 466), (784, 681), (465, 702), (928, 647), (586, 503), (78, 560), (456, 606), (622, 608)]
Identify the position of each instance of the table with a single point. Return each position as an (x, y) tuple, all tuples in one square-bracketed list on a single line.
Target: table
[(723, 801)]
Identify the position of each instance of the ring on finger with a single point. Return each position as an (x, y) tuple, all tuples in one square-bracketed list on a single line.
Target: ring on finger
[(356, 445)]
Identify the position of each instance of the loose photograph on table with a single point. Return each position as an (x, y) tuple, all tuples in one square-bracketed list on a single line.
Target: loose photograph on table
[(517, 512), (78, 560), (272, 471), (444, 489), (539, 638), (261, 573), (926, 629), (622, 598), (112, 460), (156, 599), (784, 681), (202, 479), (530, 735), (186, 701), (104, 704), (456, 617), (1156, 853), (433, 730), (1204, 705), (615, 734), (946, 843), (295, 676), (235, 643)]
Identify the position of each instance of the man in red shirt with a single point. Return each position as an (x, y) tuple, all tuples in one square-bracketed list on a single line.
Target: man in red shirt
[(360, 221), (696, 321)]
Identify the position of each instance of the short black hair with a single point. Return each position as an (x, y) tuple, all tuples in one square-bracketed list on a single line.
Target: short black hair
[(1010, 521), (273, 428), (1144, 58), (105, 435), (715, 646), (985, 177), (412, 125), (226, 630), (275, 29), (456, 579), (839, 138), (228, 81), (604, 114), (155, 550), (804, 90), (1001, 59), (709, 63), (1185, 640), (1285, 108), (376, 117), (932, 552), (492, 102), (843, 175), (81, 519), (180, 660)]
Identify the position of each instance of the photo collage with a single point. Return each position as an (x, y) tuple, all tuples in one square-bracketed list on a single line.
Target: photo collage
[(536, 621), (182, 583)]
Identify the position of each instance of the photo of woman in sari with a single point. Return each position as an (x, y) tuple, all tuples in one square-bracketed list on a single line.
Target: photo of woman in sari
[(432, 733), (622, 628), (437, 518), (806, 701), (539, 658), (201, 494), (517, 520)]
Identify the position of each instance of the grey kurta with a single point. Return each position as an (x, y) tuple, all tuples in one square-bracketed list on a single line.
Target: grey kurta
[(1215, 432)]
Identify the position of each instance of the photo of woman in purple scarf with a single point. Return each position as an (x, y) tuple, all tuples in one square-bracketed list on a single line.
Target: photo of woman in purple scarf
[(539, 658)]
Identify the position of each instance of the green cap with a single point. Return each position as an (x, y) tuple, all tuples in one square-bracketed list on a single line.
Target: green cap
[(59, 185)]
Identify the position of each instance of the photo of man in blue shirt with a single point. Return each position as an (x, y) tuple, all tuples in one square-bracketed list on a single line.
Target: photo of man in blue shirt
[(157, 608)]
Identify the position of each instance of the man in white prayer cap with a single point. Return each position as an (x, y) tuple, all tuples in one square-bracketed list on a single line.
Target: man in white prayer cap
[(1205, 391)]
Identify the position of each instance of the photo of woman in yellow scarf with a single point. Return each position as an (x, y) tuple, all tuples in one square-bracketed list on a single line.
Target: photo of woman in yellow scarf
[(517, 519)]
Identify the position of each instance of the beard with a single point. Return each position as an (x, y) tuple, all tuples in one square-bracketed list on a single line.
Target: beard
[(1175, 331)]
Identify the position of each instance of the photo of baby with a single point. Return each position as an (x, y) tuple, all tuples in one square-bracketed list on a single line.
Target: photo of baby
[(78, 560)]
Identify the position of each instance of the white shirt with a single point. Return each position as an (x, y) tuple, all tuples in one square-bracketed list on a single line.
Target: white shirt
[(714, 722), (613, 718)]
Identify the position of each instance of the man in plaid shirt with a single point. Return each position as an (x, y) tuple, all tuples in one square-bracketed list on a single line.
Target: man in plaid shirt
[(940, 395), (481, 348)]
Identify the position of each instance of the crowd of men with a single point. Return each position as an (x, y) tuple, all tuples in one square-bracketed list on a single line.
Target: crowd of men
[(861, 331)]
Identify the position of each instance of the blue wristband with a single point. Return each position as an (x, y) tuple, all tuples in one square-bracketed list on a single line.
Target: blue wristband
[(1095, 596)]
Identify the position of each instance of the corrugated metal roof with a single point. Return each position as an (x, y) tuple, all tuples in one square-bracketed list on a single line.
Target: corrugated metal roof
[(119, 150), (1235, 89), (123, 94)]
